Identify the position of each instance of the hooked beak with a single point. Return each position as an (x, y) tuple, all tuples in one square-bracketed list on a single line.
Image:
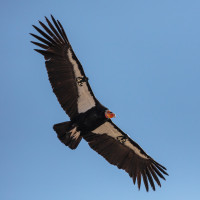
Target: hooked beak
[(109, 114)]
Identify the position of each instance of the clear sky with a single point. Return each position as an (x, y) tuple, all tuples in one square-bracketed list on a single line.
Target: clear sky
[(143, 62)]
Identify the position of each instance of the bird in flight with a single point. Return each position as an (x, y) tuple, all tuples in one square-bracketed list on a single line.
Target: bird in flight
[(89, 119)]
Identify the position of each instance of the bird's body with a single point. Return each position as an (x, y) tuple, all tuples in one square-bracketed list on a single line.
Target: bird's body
[(89, 119)]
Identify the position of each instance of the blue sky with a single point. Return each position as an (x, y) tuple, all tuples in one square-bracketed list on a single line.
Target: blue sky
[(142, 59)]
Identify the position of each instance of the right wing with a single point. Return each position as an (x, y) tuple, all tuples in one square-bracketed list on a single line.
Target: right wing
[(120, 150), (65, 72)]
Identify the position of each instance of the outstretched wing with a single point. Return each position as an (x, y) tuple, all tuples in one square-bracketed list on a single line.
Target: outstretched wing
[(120, 150), (65, 72)]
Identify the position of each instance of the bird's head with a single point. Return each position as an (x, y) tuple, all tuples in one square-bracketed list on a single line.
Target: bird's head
[(109, 114)]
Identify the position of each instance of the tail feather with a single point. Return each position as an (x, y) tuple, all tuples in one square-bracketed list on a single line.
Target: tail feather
[(68, 134)]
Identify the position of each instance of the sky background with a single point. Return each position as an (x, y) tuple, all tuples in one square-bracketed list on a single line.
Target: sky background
[(143, 62)]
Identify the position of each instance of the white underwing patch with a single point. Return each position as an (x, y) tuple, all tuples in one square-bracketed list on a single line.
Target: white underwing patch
[(85, 99), (110, 130)]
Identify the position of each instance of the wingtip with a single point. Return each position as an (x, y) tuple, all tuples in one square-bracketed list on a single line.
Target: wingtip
[(40, 51), (147, 188), (160, 165), (52, 17), (31, 34), (34, 26), (139, 185), (134, 181), (165, 173), (35, 36)]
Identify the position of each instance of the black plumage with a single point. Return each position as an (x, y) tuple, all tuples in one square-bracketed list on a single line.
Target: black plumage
[(89, 119)]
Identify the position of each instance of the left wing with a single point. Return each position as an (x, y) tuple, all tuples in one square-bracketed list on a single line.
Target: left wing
[(65, 72), (120, 150)]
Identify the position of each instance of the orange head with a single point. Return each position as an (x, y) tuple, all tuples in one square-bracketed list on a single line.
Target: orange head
[(109, 114)]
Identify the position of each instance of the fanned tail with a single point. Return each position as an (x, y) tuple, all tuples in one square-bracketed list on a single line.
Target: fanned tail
[(68, 134)]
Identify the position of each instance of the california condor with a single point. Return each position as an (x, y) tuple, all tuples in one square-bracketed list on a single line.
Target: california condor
[(89, 119)]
